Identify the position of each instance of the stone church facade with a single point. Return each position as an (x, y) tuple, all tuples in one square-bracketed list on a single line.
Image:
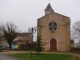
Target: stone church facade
[(54, 29)]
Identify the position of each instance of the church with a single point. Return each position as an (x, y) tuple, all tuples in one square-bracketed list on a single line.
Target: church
[(54, 29)]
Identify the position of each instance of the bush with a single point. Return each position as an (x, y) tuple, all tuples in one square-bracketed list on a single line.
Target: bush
[(75, 49)]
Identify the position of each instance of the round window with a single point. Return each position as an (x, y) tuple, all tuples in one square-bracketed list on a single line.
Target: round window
[(52, 26)]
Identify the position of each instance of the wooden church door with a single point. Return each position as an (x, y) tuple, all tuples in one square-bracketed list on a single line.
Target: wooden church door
[(53, 45)]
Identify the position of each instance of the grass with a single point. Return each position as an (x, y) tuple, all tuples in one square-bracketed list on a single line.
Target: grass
[(27, 56)]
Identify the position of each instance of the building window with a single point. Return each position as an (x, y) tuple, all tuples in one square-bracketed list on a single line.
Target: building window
[(52, 26)]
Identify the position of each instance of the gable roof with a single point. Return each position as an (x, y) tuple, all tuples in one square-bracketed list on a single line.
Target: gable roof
[(51, 13), (48, 8), (23, 34)]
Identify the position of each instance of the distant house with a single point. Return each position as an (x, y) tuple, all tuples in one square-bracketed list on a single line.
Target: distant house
[(23, 40), (72, 43)]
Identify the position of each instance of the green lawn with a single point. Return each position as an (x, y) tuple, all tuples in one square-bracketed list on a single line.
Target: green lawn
[(27, 56)]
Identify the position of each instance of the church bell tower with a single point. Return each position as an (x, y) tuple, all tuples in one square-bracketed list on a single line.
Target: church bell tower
[(48, 9)]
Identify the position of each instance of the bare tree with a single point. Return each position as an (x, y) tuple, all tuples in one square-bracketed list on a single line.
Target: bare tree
[(75, 32), (9, 32), (0, 32)]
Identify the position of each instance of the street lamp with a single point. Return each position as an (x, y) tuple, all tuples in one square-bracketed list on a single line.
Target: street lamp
[(32, 31)]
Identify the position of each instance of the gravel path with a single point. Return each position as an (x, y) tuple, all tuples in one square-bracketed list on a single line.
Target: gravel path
[(6, 57)]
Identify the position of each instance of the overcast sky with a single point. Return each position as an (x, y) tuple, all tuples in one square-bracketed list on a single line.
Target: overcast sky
[(24, 13)]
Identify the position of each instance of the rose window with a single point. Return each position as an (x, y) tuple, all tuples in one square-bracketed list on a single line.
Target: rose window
[(52, 26)]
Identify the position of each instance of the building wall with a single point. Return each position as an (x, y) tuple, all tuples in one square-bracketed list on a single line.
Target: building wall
[(72, 45), (61, 35), (24, 37)]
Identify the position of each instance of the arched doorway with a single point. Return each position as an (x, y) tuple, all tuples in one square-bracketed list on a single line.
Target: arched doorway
[(53, 45)]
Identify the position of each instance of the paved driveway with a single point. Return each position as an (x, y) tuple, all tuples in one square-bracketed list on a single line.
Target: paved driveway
[(6, 57)]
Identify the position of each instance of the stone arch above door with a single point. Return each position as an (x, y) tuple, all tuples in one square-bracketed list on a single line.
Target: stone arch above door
[(57, 43)]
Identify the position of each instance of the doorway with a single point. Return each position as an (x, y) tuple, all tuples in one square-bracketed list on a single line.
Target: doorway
[(53, 45)]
